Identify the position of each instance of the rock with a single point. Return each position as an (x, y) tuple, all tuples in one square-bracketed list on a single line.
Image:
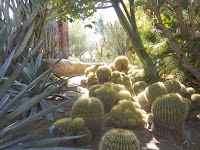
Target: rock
[(66, 67)]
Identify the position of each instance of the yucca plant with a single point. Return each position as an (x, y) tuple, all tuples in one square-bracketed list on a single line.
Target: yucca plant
[(8, 129)]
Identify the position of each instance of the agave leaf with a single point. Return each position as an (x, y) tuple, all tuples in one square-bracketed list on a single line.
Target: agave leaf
[(19, 140), (4, 99), (44, 142), (3, 37), (25, 75), (21, 94), (4, 67), (45, 106), (34, 110), (12, 78), (51, 104), (38, 62), (26, 121), (26, 105), (57, 148)]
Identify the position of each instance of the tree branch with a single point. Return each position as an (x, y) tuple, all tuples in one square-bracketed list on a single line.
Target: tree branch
[(126, 11), (179, 16), (193, 6), (175, 46)]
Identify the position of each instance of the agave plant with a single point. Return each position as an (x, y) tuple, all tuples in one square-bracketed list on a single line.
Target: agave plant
[(30, 72), (8, 129)]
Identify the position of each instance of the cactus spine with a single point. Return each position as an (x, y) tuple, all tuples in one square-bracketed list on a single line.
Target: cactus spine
[(119, 139), (121, 63), (155, 90), (173, 86), (139, 87), (169, 114), (92, 89), (103, 72), (91, 110)]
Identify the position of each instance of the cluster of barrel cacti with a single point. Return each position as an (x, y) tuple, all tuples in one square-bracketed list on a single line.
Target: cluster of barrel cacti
[(126, 114), (92, 79), (72, 127)]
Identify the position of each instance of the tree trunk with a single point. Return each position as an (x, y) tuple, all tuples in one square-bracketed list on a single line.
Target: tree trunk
[(131, 30), (65, 41)]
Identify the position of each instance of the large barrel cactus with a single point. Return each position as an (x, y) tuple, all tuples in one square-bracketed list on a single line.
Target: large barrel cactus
[(119, 139), (107, 95), (91, 110), (139, 87), (155, 90), (126, 114), (169, 114), (173, 86), (121, 63), (103, 72)]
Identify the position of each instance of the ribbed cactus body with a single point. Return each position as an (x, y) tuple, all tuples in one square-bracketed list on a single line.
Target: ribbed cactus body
[(78, 124), (155, 90), (173, 86), (126, 114), (63, 127), (123, 94), (103, 72), (86, 139), (141, 99), (107, 95), (118, 87), (92, 79), (121, 63), (116, 74), (139, 87), (169, 114), (183, 90), (112, 67), (189, 92), (91, 110), (195, 102), (119, 139), (92, 89)]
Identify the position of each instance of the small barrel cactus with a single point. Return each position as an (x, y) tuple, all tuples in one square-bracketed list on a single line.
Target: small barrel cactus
[(123, 94), (183, 90), (63, 127), (107, 95), (155, 90), (78, 124), (189, 92), (91, 110), (141, 99), (169, 113), (92, 89), (92, 79), (195, 102), (118, 87), (121, 63), (119, 139), (103, 72), (86, 139), (112, 67), (139, 87), (116, 74), (173, 86)]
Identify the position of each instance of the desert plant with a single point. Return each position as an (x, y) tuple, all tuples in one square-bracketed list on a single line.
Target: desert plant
[(172, 86), (29, 73), (92, 79), (107, 95), (86, 139), (188, 140), (123, 94), (8, 129), (103, 72), (155, 90), (91, 110), (119, 139), (189, 92), (169, 113), (92, 89), (126, 114), (183, 90), (195, 102), (141, 99), (139, 87), (121, 63), (118, 87)]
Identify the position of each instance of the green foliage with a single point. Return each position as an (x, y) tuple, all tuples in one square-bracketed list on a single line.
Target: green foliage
[(126, 114), (139, 87), (154, 91), (119, 139), (169, 113), (91, 110)]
